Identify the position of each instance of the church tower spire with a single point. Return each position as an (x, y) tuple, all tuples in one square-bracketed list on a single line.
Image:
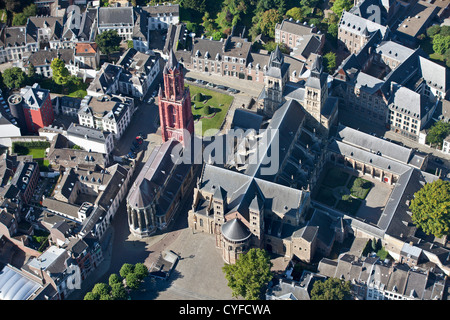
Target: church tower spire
[(175, 113)]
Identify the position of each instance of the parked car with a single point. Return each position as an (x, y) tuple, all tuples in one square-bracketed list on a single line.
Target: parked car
[(210, 84), (131, 155), (232, 90), (189, 79), (139, 140), (221, 87), (200, 81)]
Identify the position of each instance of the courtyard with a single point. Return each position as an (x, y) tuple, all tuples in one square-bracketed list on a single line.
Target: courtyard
[(209, 109), (354, 195)]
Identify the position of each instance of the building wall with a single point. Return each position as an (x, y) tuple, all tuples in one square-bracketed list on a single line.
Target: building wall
[(36, 119)]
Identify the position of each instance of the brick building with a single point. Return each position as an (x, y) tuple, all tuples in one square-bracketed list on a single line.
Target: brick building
[(175, 112), (37, 107)]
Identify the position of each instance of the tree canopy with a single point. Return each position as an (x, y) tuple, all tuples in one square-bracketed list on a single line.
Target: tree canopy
[(60, 74), (437, 133), (250, 274), (14, 78), (431, 208), (331, 289), (340, 5), (108, 41)]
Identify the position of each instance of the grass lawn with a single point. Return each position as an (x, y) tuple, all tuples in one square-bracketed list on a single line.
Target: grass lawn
[(70, 89), (349, 206), (335, 178), (218, 102), (325, 196), (37, 153), (359, 187)]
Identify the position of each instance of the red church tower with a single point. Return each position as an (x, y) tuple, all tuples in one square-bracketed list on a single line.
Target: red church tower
[(175, 111)]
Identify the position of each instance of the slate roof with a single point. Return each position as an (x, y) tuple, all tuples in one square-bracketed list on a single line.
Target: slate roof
[(294, 27), (91, 133), (155, 174), (242, 189), (34, 96), (308, 44), (55, 24), (235, 230), (87, 25), (110, 16), (413, 104), (45, 57), (153, 11), (358, 25), (370, 143), (14, 36), (394, 50)]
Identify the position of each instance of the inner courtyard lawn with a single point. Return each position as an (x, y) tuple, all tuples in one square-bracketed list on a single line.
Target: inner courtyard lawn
[(209, 120), (343, 191)]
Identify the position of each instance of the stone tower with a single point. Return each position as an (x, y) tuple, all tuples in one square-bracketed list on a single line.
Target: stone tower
[(275, 78), (316, 91), (175, 111)]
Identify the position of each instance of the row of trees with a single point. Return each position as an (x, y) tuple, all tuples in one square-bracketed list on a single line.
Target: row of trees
[(120, 285), (15, 77)]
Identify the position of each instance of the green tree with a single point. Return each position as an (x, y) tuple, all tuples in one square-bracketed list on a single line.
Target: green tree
[(250, 274), (331, 289), (141, 270), (126, 269), (218, 35), (295, 13), (113, 279), (433, 30), (447, 57), (196, 5), (14, 78), (441, 43), (118, 292), (90, 296), (430, 208), (340, 5), (330, 61), (31, 71), (101, 289), (19, 19), (333, 30), (108, 41), (445, 31), (133, 281), (268, 21), (437, 133), (30, 10), (130, 44), (60, 74), (192, 27)]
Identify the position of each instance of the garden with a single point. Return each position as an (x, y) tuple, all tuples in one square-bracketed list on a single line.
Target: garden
[(35, 149), (74, 88), (343, 191), (209, 109)]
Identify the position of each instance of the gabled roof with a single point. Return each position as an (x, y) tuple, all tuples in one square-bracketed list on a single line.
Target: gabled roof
[(85, 48), (115, 16)]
